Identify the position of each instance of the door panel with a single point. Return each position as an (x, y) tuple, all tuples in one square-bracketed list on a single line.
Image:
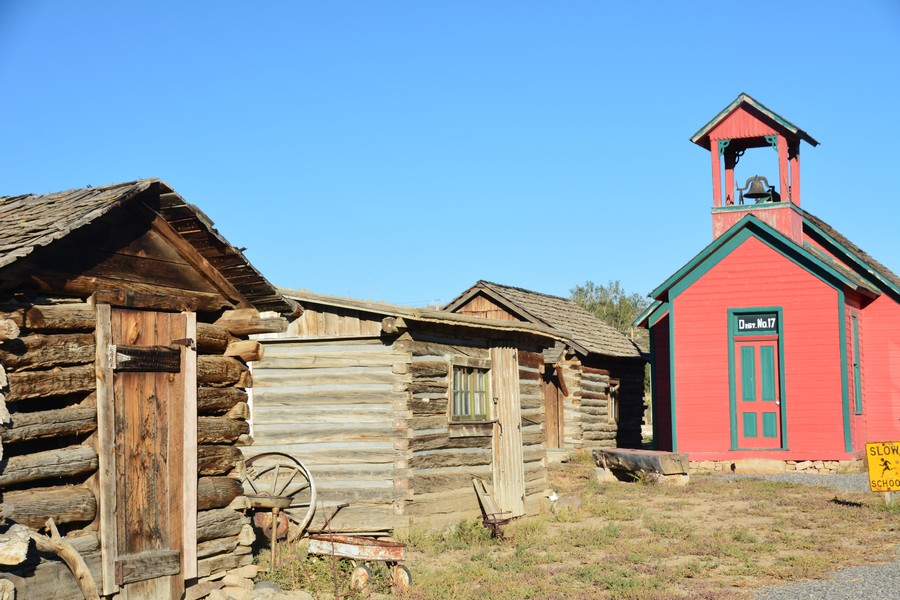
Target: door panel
[(758, 394), (148, 395), (508, 459)]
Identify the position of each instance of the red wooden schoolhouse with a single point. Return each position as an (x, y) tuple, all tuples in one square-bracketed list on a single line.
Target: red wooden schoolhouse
[(780, 339)]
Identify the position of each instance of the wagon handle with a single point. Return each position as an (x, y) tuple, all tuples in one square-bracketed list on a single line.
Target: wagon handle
[(337, 509)]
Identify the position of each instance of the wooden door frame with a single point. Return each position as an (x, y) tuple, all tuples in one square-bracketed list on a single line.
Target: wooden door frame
[(735, 335)]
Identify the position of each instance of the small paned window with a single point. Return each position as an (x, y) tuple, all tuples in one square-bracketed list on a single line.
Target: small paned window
[(613, 408), (470, 394)]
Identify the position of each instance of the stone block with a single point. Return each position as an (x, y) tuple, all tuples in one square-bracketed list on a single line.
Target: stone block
[(759, 466), (234, 581), (247, 571)]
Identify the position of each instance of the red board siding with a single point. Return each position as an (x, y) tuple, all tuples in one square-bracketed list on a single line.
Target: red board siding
[(880, 352), (740, 124), (753, 275), (781, 216)]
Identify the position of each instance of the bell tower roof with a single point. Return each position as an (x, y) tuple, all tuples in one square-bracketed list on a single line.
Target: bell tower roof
[(733, 122), (744, 125)]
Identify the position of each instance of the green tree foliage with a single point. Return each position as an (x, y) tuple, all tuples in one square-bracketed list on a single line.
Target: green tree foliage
[(614, 306)]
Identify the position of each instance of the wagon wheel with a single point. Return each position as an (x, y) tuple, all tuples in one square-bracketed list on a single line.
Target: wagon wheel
[(401, 578), (281, 475), (359, 579)]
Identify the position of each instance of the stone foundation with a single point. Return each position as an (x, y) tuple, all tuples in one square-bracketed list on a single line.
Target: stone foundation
[(822, 467)]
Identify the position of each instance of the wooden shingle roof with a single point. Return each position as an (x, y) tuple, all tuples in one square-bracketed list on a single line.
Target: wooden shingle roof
[(33, 221), (744, 101), (558, 313), (857, 259)]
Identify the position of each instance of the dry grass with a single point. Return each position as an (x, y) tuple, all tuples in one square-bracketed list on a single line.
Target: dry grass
[(712, 540)]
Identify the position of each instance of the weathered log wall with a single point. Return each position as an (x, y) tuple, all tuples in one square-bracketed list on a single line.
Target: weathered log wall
[(599, 430), (48, 416), (48, 423), (574, 428), (446, 457), (443, 462), (533, 434), (340, 408), (368, 415)]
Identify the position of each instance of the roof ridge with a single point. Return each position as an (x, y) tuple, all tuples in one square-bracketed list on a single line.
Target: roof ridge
[(521, 289), (101, 188)]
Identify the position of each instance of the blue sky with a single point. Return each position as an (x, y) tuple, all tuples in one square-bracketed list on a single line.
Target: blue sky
[(400, 151)]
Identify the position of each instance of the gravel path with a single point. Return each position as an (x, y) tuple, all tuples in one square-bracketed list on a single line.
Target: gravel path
[(852, 482), (871, 582)]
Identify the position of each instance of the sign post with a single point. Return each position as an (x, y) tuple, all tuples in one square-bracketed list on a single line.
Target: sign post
[(883, 460)]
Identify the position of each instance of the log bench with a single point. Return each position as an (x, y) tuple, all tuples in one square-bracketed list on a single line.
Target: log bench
[(616, 464)]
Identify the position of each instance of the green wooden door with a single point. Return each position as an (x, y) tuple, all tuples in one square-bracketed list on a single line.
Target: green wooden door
[(758, 406)]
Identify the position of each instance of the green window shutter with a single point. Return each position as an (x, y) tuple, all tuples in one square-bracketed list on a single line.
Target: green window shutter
[(750, 430), (767, 373), (748, 374)]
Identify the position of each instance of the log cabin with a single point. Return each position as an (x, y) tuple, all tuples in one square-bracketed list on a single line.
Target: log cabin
[(123, 398), (593, 388), (776, 345), (395, 410)]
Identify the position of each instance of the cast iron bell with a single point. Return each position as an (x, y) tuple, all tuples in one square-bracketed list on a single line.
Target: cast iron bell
[(757, 190)]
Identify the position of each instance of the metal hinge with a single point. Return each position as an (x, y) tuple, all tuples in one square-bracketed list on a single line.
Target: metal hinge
[(189, 342)]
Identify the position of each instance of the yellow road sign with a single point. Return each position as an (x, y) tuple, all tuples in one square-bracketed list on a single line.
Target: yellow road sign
[(883, 459)]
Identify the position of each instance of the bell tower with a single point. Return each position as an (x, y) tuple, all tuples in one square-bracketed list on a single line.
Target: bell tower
[(743, 125)]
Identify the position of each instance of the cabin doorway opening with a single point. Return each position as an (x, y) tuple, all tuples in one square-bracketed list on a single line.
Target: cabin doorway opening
[(554, 419)]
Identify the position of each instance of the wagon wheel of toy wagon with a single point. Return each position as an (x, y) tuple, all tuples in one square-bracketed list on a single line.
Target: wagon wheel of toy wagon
[(401, 578), (278, 475), (359, 579)]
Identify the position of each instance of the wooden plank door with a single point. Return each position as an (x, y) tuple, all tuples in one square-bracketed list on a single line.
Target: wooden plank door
[(758, 394), (149, 468), (554, 420), (508, 460)]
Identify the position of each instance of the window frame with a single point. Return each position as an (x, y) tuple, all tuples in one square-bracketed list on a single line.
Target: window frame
[(613, 390), (473, 366)]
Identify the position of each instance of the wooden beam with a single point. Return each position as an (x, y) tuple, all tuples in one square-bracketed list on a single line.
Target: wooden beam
[(49, 424), (189, 448), (106, 453), (247, 321), (193, 256), (246, 350), (55, 382), (65, 504), (74, 316), (219, 370), (212, 338), (130, 299), (49, 464), (41, 351)]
